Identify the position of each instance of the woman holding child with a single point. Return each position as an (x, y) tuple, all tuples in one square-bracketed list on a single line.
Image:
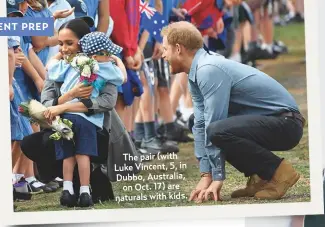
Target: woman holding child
[(87, 107), (97, 46)]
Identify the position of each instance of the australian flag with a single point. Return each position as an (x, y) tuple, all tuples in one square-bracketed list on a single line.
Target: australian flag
[(151, 20)]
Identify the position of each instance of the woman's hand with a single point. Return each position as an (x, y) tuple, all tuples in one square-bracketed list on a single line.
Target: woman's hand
[(52, 112), (81, 91), (63, 13)]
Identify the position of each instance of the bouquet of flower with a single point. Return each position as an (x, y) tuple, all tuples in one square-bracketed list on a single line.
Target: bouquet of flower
[(88, 67), (34, 110)]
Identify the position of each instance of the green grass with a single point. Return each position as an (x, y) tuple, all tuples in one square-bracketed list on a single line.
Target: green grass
[(289, 71)]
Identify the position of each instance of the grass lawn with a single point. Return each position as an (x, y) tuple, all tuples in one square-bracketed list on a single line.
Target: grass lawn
[(289, 70)]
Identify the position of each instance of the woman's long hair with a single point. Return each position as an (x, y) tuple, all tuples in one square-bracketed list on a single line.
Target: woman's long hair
[(78, 26)]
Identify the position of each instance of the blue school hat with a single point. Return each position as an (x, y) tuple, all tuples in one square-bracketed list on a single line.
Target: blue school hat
[(81, 11), (13, 7), (95, 42)]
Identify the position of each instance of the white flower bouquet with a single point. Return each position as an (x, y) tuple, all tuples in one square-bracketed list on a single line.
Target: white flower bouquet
[(88, 67), (34, 110)]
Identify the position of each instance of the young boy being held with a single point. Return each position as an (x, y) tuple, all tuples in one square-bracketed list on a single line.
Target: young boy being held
[(110, 69)]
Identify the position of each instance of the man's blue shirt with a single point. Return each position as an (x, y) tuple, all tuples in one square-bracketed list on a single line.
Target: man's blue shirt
[(222, 88)]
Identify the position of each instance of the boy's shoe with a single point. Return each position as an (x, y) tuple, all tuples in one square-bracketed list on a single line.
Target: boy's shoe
[(85, 200), (67, 199)]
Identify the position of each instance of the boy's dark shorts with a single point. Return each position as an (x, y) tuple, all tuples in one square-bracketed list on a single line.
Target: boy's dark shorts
[(85, 139)]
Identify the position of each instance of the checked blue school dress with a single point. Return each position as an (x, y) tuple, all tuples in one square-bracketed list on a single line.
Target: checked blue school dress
[(19, 125)]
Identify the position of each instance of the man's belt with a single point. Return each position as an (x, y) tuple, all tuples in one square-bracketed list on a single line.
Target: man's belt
[(294, 115)]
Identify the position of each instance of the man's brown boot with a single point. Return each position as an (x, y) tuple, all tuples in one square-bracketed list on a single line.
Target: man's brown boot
[(254, 184), (284, 177)]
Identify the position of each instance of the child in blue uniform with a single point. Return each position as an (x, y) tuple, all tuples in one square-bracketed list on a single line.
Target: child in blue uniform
[(20, 126), (16, 129), (98, 46), (41, 11)]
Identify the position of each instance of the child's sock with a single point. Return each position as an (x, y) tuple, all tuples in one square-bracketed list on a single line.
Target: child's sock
[(19, 175), (36, 183), (268, 47), (84, 189), (16, 177), (58, 179), (139, 131), (149, 130), (67, 185)]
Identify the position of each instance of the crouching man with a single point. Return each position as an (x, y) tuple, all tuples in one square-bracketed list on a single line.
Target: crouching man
[(241, 116)]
